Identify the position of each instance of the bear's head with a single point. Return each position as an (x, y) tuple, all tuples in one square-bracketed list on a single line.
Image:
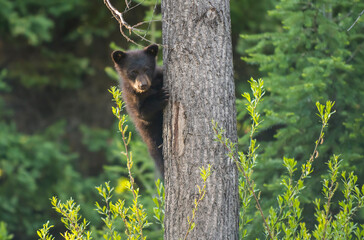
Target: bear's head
[(137, 67)]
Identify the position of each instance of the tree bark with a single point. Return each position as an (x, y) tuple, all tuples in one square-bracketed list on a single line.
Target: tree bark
[(198, 72)]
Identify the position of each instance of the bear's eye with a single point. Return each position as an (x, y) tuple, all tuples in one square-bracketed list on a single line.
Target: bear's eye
[(147, 70), (133, 74)]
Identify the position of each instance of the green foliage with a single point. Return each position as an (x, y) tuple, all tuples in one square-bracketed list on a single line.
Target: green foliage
[(23, 179), (3, 88), (36, 28), (4, 235), (71, 219), (37, 22), (54, 128), (309, 57), (246, 162), (287, 217), (52, 64), (44, 232), (134, 217), (286, 221), (52, 89), (159, 202)]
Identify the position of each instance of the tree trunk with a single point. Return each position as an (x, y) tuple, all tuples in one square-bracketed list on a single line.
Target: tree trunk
[(199, 76)]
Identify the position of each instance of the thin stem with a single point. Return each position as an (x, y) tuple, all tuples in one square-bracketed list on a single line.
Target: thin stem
[(123, 24), (202, 195), (249, 186), (73, 222), (131, 178), (311, 159), (328, 210), (118, 15)]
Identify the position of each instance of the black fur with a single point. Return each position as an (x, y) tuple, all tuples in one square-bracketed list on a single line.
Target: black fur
[(144, 95)]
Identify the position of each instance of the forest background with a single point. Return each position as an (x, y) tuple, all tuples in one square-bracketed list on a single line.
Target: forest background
[(58, 135)]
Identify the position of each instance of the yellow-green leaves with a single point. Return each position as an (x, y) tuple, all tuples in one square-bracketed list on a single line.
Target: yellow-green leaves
[(257, 88), (159, 202), (325, 111), (134, 217), (43, 233), (72, 220), (204, 173)]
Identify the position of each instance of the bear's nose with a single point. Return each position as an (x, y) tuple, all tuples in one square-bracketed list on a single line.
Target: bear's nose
[(143, 86)]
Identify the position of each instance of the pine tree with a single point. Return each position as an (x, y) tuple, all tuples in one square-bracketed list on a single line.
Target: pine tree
[(310, 57)]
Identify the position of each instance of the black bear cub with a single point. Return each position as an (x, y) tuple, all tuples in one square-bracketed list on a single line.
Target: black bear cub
[(144, 95)]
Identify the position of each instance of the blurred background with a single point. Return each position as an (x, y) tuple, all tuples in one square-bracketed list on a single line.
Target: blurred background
[(58, 136)]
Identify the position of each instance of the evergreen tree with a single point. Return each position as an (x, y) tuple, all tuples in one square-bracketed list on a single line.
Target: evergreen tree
[(56, 129), (309, 57)]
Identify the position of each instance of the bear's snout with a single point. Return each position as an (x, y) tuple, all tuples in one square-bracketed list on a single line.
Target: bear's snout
[(143, 86), (142, 83)]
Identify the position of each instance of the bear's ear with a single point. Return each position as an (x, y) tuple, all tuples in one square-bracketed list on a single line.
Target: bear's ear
[(117, 56), (152, 49)]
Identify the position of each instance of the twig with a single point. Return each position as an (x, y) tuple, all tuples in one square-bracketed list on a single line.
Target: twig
[(127, 3), (328, 220), (362, 12), (144, 22), (250, 184), (303, 176), (123, 24), (150, 22), (355, 52), (205, 174), (201, 197), (119, 17), (127, 153), (127, 8)]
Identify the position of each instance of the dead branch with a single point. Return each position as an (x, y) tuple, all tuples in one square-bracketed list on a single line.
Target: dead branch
[(123, 24), (355, 21), (119, 17)]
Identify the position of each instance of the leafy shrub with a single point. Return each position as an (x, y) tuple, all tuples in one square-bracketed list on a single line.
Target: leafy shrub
[(4, 235), (130, 212), (285, 219), (31, 166), (308, 57)]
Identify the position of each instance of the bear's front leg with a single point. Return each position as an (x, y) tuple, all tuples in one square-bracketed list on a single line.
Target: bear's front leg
[(153, 104)]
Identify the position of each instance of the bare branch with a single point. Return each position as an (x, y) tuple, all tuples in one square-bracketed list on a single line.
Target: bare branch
[(127, 8), (145, 39), (362, 12), (118, 15), (127, 3), (144, 22), (127, 38), (132, 29)]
